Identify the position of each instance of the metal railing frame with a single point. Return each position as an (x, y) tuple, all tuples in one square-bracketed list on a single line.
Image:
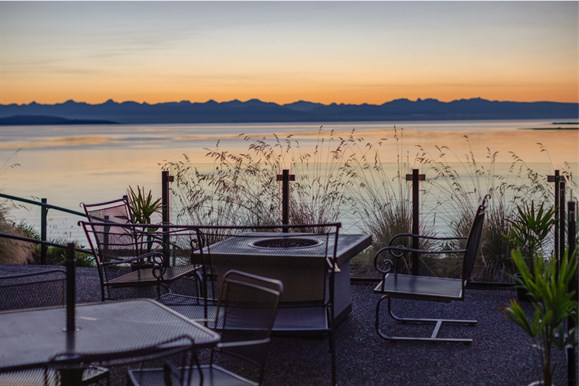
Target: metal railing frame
[(44, 207)]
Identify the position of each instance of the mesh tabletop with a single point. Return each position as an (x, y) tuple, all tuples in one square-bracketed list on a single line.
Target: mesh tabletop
[(30, 338)]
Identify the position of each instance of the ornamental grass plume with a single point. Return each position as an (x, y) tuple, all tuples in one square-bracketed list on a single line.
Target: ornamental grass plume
[(13, 251)]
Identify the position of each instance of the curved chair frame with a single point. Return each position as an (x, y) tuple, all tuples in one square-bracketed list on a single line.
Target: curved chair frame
[(428, 288)]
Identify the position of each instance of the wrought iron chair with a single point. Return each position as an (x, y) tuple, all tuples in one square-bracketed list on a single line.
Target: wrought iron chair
[(302, 257), (244, 317), (133, 256), (46, 288), (429, 288)]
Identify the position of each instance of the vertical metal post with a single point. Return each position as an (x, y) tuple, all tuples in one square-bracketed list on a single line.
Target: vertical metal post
[(43, 230), (415, 177), (555, 178), (285, 178), (561, 219), (70, 289), (571, 322), (166, 179)]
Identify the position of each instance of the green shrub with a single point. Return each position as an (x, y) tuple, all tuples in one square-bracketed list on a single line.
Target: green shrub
[(553, 302)]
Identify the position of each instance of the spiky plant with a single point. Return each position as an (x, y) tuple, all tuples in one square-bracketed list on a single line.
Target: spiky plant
[(143, 205), (553, 302)]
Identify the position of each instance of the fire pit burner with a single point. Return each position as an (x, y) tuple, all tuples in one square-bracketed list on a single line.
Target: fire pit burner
[(285, 242)]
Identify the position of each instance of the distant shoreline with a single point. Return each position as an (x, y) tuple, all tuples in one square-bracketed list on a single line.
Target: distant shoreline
[(32, 120), (555, 128)]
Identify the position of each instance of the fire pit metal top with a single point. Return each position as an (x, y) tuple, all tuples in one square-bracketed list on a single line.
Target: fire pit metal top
[(290, 245), (286, 242)]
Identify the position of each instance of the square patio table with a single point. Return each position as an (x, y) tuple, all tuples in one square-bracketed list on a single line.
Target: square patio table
[(31, 338)]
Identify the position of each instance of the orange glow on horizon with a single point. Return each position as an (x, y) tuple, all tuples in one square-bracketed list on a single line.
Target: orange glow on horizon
[(338, 95)]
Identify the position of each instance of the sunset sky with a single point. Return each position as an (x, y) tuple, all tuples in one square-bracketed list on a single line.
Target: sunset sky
[(343, 52)]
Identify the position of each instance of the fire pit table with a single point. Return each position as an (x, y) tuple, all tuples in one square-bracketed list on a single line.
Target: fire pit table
[(295, 259)]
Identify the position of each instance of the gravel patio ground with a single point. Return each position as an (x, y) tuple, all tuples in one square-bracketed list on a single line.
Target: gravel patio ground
[(501, 353)]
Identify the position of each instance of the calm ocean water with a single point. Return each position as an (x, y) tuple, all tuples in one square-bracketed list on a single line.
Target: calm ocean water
[(68, 165)]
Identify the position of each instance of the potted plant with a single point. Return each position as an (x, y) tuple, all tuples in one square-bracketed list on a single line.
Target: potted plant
[(553, 303), (143, 207), (529, 231)]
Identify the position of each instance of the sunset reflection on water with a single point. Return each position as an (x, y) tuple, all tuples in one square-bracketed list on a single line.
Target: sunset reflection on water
[(73, 164)]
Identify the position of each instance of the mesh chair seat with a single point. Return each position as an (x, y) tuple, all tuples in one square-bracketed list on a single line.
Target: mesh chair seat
[(413, 286), (212, 375), (147, 276), (302, 320)]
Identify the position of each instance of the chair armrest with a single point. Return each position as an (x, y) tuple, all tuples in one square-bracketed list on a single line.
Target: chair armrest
[(384, 264), (134, 259), (417, 236)]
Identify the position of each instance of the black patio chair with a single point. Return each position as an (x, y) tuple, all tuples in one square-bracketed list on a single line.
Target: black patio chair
[(45, 288), (244, 317), (422, 287), (133, 256), (302, 257)]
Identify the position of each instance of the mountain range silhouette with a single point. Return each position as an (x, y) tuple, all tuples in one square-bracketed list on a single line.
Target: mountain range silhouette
[(255, 110)]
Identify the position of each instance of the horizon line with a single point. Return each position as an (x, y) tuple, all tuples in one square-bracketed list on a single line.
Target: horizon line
[(111, 100)]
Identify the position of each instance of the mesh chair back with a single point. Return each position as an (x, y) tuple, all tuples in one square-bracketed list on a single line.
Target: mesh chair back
[(472, 245), (113, 242), (116, 211), (246, 313), (31, 290)]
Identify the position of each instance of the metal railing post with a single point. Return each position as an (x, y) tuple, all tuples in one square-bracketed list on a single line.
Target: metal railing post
[(285, 178), (572, 322), (70, 289), (166, 179), (415, 177), (562, 219), (555, 178), (43, 230)]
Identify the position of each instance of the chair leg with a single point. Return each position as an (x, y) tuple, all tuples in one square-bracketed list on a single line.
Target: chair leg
[(437, 325), (333, 356)]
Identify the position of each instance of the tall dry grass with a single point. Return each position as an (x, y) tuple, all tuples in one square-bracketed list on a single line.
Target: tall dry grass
[(344, 177), (13, 251)]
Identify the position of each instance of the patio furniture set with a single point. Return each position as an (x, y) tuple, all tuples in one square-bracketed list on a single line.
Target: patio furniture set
[(221, 289)]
